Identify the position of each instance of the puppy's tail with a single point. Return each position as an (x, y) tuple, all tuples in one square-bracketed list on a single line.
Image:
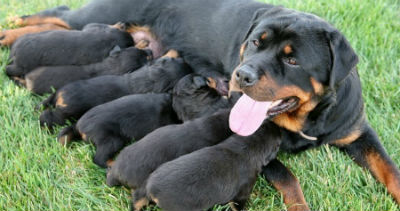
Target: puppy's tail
[(68, 134)]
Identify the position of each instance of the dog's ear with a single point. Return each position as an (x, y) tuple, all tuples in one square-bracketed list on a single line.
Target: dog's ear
[(254, 21), (115, 51), (344, 59), (199, 81)]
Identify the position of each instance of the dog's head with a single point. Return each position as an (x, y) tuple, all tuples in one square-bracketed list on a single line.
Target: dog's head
[(166, 71), (130, 58), (197, 96), (289, 58)]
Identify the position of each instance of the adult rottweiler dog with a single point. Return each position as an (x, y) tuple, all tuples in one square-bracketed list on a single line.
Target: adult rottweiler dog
[(74, 99), (42, 79), (137, 161), (299, 64), (217, 174)]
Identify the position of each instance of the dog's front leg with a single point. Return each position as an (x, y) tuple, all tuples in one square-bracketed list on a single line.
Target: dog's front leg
[(286, 183), (368, 152)]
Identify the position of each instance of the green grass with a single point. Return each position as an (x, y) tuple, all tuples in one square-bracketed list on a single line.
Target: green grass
[(36, 173)]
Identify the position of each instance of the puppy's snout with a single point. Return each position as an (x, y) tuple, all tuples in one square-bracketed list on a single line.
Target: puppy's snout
[(246, 76), (149, 54)]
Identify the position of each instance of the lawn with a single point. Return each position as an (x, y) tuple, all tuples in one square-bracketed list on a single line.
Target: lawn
[(37, 173)]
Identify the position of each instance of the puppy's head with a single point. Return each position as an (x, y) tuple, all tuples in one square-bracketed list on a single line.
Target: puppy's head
[(131, 57), (167, 70), (195, 96), (289, 58)]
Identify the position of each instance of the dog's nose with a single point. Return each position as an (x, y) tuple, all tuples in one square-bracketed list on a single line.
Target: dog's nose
[(246, 76)]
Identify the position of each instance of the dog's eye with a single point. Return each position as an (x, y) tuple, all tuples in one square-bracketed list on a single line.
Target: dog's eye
[(290, 60), (256, 43)]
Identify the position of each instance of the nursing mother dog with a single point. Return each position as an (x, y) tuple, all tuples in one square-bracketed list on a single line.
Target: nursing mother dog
[(294, 69)]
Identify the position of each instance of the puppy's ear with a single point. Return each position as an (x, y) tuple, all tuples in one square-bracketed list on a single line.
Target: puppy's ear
[(199, 81), (344, 59), (254, 21), (115, 51)]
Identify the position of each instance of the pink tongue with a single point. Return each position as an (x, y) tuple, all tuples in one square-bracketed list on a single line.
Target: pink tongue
[(247, 115)]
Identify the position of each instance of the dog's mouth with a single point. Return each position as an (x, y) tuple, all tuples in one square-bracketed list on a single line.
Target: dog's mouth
[(248, 114), (282, 106)]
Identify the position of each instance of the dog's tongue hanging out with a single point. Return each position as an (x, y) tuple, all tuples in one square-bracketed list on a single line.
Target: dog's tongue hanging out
[(247, 115)]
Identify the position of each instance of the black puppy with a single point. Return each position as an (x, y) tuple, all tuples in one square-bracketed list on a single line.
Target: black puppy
[(43, 79), (214, 175), (74, 99), (92, 44), (136, 162), (196, 96), (112, 125)]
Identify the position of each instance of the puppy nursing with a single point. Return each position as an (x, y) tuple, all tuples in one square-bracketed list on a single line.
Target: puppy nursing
[(50, 48), (42, 79), (74, 99), (136, 162), (213, 175)]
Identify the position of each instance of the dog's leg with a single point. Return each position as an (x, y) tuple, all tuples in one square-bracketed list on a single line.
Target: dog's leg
[(286, 183), (105, 151), (68, 135), (139, 199), (368, 152), (8, 37)]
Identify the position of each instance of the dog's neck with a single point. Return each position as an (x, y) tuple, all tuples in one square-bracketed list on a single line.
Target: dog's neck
[(338, 111)]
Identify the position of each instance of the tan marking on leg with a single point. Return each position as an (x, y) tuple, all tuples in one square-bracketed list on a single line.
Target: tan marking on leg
[(84, 136), (119, 26), (39, 20), (110, 163), (60, 100), (384, 173), (141, 203), (10, 36), (19, 80), (135, 28), (293, 196), (154, 199), (232, 206), (142, 44), (350, 138), (29, 84), (64, 140), (171, 54)]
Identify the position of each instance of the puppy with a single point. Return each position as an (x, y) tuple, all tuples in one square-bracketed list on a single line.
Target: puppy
[(43, 79), (50, 48), (112, 125), (196, 96), (214, 175), (74, 99), (136, 162)]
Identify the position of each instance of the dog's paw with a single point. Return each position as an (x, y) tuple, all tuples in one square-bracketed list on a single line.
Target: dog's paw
[(7, 38)]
